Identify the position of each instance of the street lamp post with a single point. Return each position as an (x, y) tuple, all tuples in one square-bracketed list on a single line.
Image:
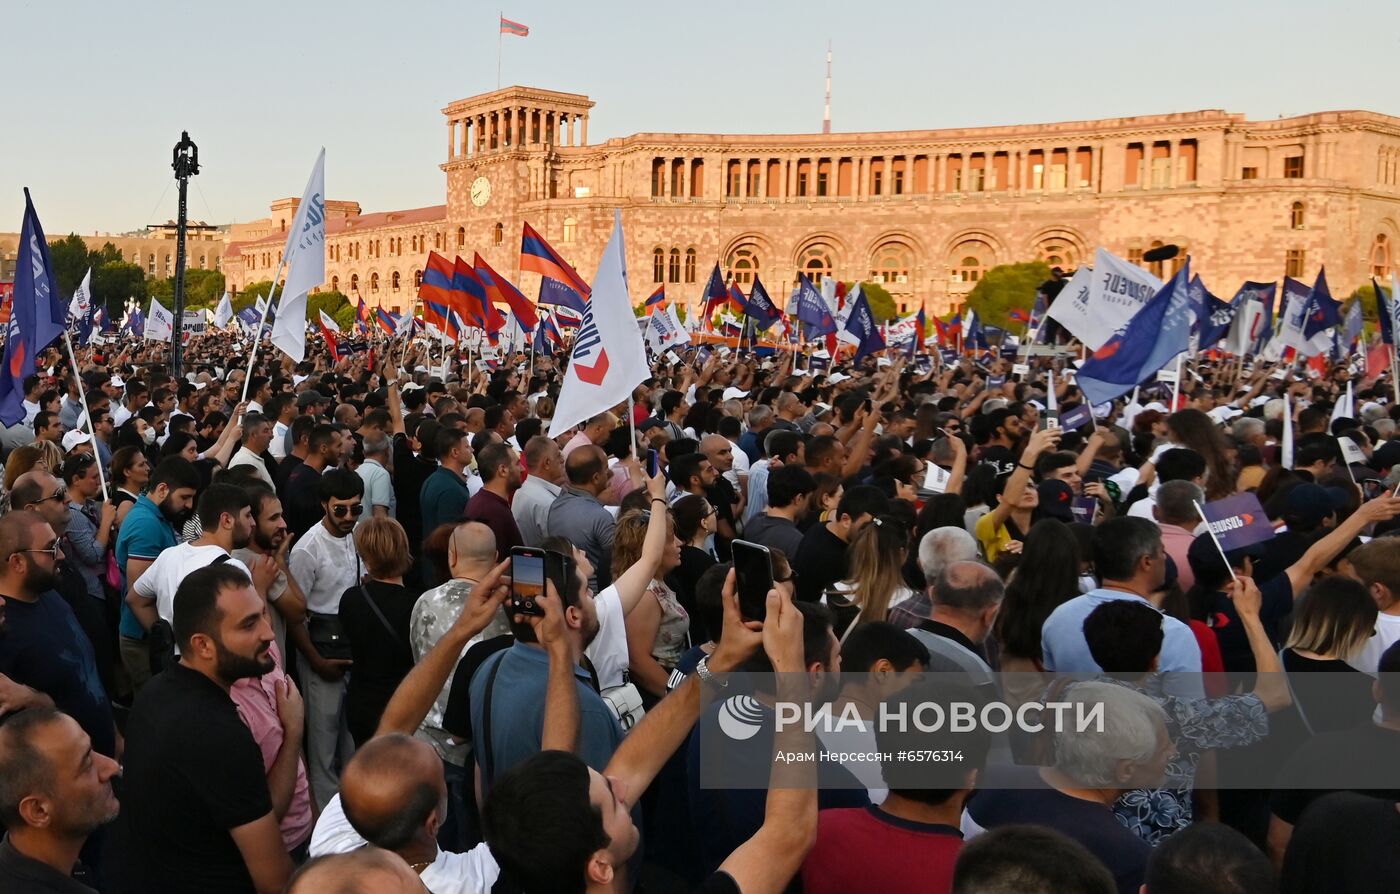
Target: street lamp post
[(186, 165)]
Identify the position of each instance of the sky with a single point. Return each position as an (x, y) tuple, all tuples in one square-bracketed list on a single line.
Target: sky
[(98, 92)]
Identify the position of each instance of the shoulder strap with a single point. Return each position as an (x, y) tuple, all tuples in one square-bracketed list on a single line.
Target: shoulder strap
[(485, 748), (221, 559), (393, 634)]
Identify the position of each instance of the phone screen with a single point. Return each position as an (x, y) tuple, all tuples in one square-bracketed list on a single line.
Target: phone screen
[(753, 572), (652, 462), (526, 579), (1373, 487)]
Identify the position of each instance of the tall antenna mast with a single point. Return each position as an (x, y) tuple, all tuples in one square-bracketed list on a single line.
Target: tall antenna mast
[(826, 110)]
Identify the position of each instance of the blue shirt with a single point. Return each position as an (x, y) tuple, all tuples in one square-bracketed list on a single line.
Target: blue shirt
[(1066, 651), (144, 533), (517, 712)]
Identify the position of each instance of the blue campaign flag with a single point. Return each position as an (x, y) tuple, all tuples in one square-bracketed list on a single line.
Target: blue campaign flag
[(1323, 312), (1077, 417), (136, 323), (1384, 317), (812, 311), (861, 324), (1238, 521), (1215, 316), (975, 337), (1154, 335), (35, 291), (1264, 293), (760, 308), (1352, 325), (247, 318)]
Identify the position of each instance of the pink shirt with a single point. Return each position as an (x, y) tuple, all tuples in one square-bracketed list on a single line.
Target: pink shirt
[(256, 698), (578, 440), (1176, 541)]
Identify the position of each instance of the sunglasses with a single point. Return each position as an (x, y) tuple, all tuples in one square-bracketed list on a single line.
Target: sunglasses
[(354, 509), (59, 495), (51, 551)]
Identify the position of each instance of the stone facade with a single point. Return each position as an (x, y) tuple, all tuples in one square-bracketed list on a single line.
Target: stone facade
[(152, 250), (926, 212)]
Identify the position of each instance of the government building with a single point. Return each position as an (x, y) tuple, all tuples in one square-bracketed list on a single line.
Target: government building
[(924, 212)]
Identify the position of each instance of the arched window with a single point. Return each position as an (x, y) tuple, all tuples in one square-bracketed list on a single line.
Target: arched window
[(570, 229), (151, 263), (1155, 267), (1057, 254), (498, 234), (354, 283), (417, 279), (202, 262), (1296, 216), (690, 265), (674, 270), (1380, 255), (374, 282), (658, 265), (743, 264), (969, 260), (890, 265), (136, 258), (815, 262), (335, 284), (437, 240), (461, 237), (394, 281)]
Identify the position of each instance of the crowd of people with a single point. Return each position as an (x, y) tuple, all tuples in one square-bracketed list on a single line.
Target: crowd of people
[(256, 631)]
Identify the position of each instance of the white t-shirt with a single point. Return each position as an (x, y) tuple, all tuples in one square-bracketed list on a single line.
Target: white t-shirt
[(246, 457), (740, 467), (173, 565), (474, 872), (608, 651), (278, 447), (1368, 660)]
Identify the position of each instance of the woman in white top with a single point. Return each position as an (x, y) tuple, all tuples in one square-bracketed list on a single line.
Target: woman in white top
[(876, 583)]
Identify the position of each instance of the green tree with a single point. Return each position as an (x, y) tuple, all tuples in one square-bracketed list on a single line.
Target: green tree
[(115, 281), (336, 306), (882, 305), (1006, 287), (251, 293), (70, 261)]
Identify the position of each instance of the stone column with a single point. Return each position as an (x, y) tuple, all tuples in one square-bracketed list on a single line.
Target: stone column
[(763, 178), (857, 178), (568, 130), (1095, 168), (583, 138), (685, 178), (792, 177), (1171, 163), (451, 140)]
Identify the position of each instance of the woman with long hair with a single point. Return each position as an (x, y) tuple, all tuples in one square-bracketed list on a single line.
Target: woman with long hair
[(24, 459), (1332, 622), (131, 471), (658, 629), (822, 501), (876, 582), (1193, 429), (696, 521), (1048, 575)]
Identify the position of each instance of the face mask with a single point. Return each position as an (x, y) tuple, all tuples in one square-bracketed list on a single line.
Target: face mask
[(149, 436)]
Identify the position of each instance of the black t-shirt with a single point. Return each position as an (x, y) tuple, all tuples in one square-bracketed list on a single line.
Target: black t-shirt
[(43, 647), (820, 562), (457, 714), (21, 873), (285, 468), (409, 474), (719, 883), (682, 579), (191, 773), (722, 497), (1345, 842), (382, 656), (1364, 756), (1276, 594), (302, 504), (1330, 695)]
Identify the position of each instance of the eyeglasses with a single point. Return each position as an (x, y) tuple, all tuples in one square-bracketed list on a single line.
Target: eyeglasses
[(51, 551), (59, 495), (355, 509)]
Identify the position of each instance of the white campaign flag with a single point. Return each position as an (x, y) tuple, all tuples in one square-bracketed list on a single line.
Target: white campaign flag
[(1097, 303), (305, 257), (1286, 442), (1245, 327), (160, 323), (842, 316), (664, 330), (1344, 408), (608, 358), (329, 322), (81, 305), (224, 314)]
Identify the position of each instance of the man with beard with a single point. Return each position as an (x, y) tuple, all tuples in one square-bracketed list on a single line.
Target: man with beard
[(41, 644), (226, 519), (326, 564), (499, 468), (148, 529), (55, 790), (195, 799), (271, 539)]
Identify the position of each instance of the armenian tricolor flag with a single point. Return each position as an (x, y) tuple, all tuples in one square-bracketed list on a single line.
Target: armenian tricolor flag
[(514, 29), (362, 316), (657, 301), (441, 299), (387, 321), (538, 256), (498, 288)]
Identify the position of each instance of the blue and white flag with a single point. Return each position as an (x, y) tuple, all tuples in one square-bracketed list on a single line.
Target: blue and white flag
[(1215, 316), (760, 308), (135, 322), (812, 310), (305, 257), (1352, 325), (35, 294), (1097, 302), (1323, 313), (862, 327), (223, 315), (1151, 339), (80, 309)]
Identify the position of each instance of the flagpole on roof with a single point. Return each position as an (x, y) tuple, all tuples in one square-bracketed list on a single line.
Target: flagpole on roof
[(500, 32)]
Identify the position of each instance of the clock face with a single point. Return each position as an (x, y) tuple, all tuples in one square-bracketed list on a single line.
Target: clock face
[(481, 191)]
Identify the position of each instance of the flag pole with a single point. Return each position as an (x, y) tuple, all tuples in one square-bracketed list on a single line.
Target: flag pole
[(82, 396), (257, 334), (1214, 539), (1176, 383), (499, 41)]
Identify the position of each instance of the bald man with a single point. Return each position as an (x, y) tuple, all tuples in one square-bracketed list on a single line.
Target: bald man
[(369, 870), (728, 502), (595, 431), (966, 598), (579, 515), (471, 553)]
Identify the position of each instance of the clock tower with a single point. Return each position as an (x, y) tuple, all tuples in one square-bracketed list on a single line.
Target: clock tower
[(503, 153)]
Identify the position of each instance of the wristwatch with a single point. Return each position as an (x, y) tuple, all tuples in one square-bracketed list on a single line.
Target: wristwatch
[(702, 670)]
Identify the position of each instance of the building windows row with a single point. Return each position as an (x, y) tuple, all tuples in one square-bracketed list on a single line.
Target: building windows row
[(1161, 164), (666, 266), (1388, 165)]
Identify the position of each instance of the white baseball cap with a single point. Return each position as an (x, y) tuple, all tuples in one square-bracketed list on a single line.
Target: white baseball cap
[(837, 377), (75, 438), (731, 392)]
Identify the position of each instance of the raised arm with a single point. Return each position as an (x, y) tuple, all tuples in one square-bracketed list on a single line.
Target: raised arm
[(1321, 553), (1045, 439), (1270, 684)]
